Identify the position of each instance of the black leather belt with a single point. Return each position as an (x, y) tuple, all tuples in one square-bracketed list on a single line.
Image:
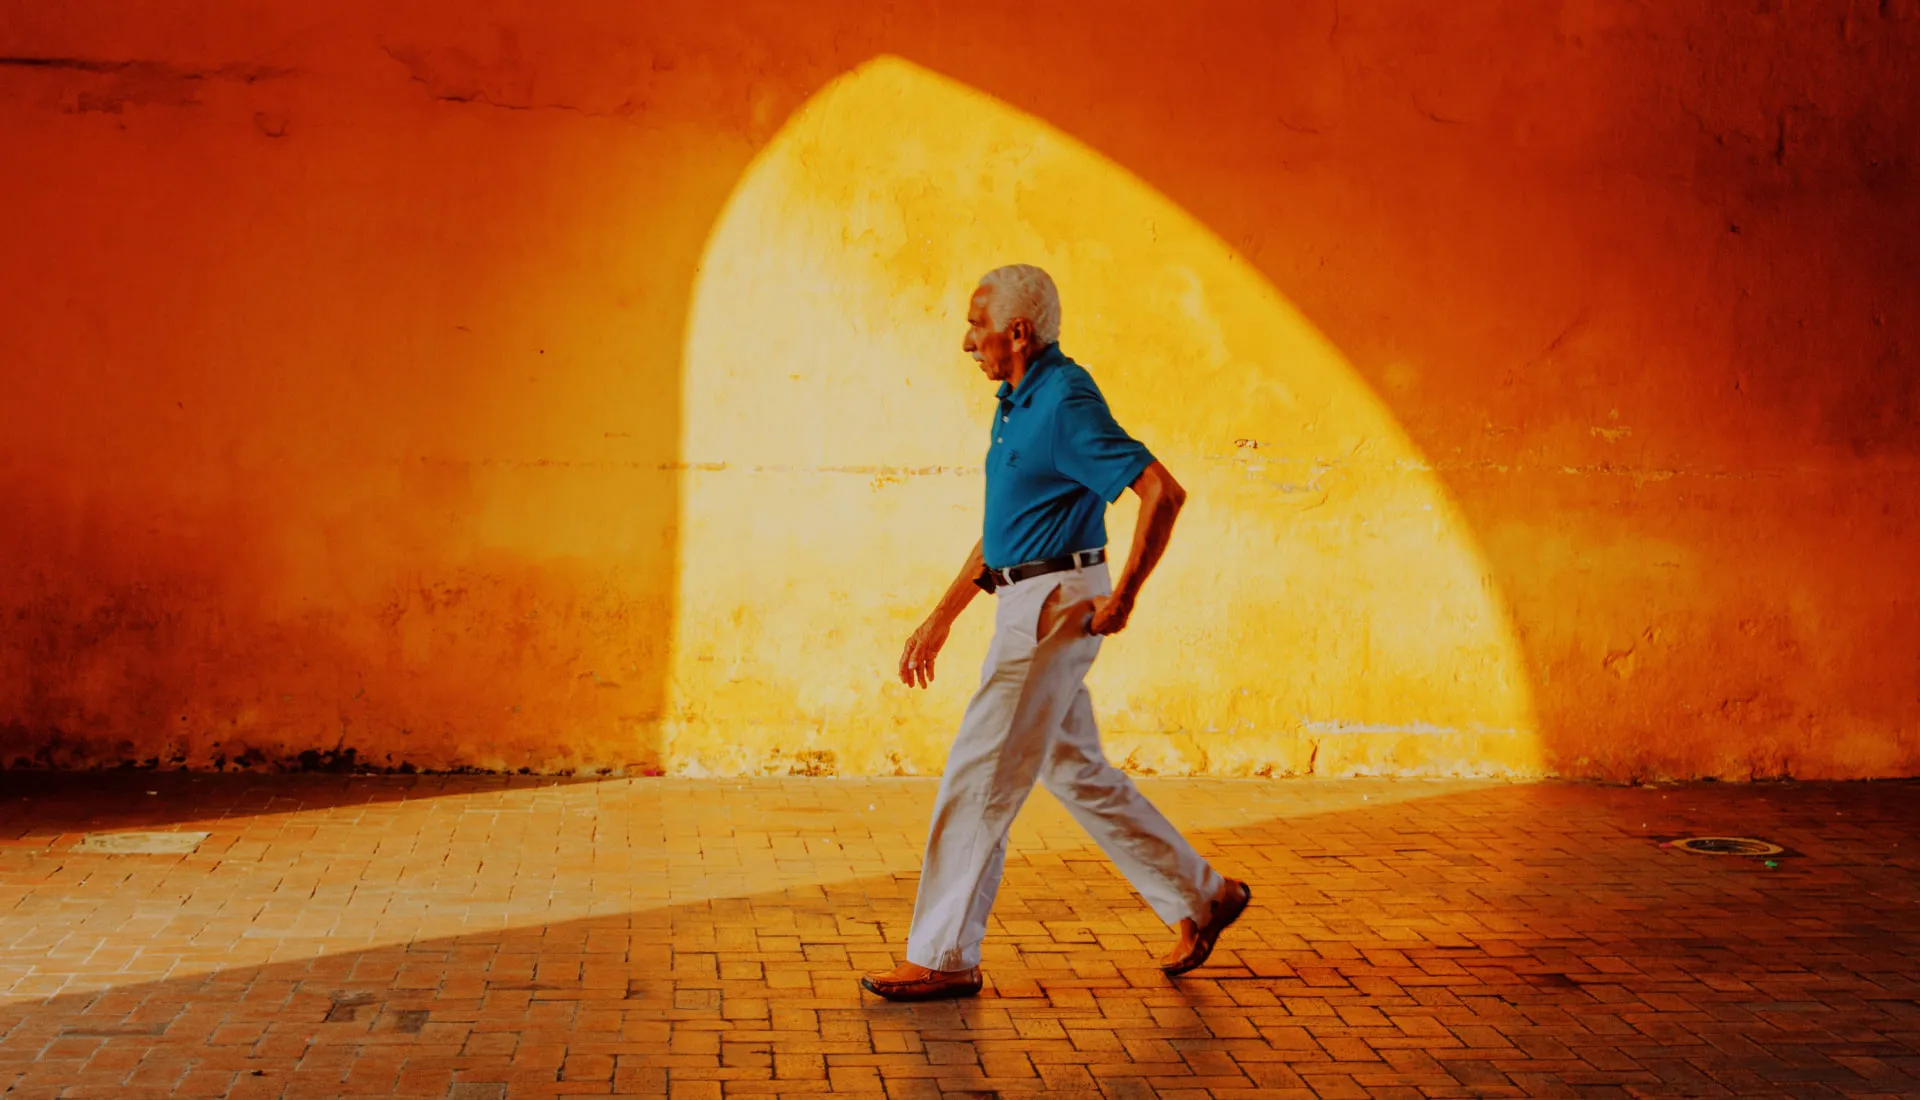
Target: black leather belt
[(991, 579)]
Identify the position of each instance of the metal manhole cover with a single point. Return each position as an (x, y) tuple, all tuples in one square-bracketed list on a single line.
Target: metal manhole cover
[(1727, 846), (141, 844)]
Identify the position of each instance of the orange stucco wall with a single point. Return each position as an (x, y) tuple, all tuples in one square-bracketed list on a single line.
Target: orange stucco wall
[(344, 346)]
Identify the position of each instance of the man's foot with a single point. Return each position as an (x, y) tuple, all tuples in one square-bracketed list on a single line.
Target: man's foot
[(1197, 940), (913, 982)]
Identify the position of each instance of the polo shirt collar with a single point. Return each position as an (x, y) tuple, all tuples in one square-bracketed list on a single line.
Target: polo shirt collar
[(1029, 381)]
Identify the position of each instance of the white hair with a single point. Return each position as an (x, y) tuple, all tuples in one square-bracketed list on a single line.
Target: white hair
[(1023, 290)]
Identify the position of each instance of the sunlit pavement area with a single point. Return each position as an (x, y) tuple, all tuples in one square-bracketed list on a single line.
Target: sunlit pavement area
[(480, 936)]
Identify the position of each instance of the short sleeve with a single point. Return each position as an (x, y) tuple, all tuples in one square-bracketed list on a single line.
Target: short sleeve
[(1090, 448)]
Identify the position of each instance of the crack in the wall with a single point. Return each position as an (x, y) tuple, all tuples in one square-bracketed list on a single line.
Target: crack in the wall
[(110, 85), (160, 70), (1568, 330), (1413, 97), (445, 88)]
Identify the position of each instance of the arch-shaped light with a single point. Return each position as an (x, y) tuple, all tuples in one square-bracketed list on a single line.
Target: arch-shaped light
[(1324, 607)]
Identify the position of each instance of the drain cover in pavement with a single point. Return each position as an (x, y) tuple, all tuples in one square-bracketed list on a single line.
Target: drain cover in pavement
[(141, 844), (1727, 846)]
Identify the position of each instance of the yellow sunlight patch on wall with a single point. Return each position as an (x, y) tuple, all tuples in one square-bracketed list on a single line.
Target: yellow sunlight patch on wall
[(1323, 608)]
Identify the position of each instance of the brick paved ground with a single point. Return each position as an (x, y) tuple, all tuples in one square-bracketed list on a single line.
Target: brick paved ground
[(476, 937)]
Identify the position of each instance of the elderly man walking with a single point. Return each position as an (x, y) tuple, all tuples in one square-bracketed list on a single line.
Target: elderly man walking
[(1056, 459)]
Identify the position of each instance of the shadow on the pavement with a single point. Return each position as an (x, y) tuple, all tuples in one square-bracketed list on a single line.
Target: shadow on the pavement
[(1493, 942), (43, 805)]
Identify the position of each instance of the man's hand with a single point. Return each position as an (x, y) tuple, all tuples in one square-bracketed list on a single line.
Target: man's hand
[(1110, 614), (916, 661)]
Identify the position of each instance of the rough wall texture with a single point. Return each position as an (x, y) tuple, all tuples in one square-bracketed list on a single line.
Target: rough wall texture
[(375, 385)]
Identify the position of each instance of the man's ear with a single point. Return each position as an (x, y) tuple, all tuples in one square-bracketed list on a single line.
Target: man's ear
[(1020, 329)]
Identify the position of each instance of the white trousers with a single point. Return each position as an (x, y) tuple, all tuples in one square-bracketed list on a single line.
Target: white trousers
[(1033, 719)]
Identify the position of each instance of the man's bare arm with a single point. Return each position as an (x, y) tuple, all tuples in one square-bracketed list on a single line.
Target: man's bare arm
[(1161, 499), (916, 661)]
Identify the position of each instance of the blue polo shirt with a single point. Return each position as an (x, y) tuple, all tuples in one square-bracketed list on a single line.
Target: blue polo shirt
[(1056, 459)]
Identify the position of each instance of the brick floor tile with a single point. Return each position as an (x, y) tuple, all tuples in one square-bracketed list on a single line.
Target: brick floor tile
[(483, 936)]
